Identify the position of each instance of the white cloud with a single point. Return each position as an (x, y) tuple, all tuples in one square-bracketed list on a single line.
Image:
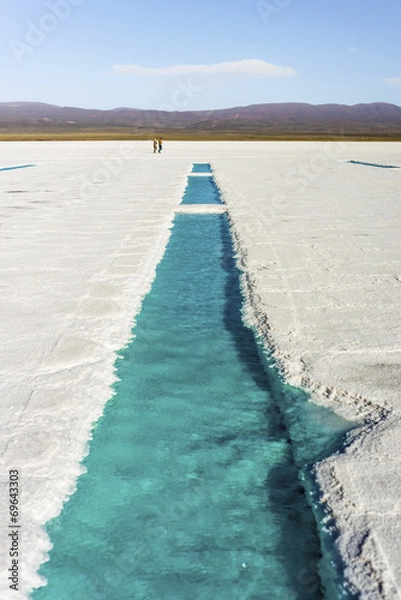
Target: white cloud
[(393, 81), (353, 49), (242, 68)]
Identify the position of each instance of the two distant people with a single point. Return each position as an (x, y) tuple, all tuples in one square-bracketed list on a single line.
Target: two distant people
[(157, 145)]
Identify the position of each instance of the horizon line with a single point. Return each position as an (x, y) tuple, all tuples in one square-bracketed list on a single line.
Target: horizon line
[(17, 103)]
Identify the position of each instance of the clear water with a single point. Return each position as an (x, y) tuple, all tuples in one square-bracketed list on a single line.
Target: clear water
[(201, 168), (201, 190), (192, 489)]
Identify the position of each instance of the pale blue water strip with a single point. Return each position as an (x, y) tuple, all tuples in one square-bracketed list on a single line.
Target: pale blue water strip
[(16, 167), (367, 164)]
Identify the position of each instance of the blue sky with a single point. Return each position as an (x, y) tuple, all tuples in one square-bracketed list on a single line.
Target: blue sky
[(183, 55)]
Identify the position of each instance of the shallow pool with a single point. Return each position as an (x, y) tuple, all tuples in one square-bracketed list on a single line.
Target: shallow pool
[(193, 487)]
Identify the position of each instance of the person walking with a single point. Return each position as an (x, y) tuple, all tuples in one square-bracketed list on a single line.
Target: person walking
[(154, 145), (160, 144)]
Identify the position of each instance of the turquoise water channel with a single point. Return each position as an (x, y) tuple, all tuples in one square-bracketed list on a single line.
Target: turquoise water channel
[(199, 189), (192, 487), (201, 168)]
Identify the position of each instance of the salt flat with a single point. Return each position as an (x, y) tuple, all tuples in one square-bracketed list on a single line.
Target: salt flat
[(319, 238)]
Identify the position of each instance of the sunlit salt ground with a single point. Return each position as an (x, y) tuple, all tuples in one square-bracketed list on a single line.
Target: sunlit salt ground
[(193, 487), (81, 232)]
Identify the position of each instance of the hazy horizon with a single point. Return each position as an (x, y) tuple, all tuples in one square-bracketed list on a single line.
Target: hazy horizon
[(114, 108)]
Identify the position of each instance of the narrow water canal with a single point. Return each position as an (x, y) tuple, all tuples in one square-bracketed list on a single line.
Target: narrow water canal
[(192, 490)]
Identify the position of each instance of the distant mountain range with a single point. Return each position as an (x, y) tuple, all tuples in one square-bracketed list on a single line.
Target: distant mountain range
[(260, 121)]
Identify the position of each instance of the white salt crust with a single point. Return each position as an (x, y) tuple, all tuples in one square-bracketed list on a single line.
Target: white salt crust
[(318, 237)]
